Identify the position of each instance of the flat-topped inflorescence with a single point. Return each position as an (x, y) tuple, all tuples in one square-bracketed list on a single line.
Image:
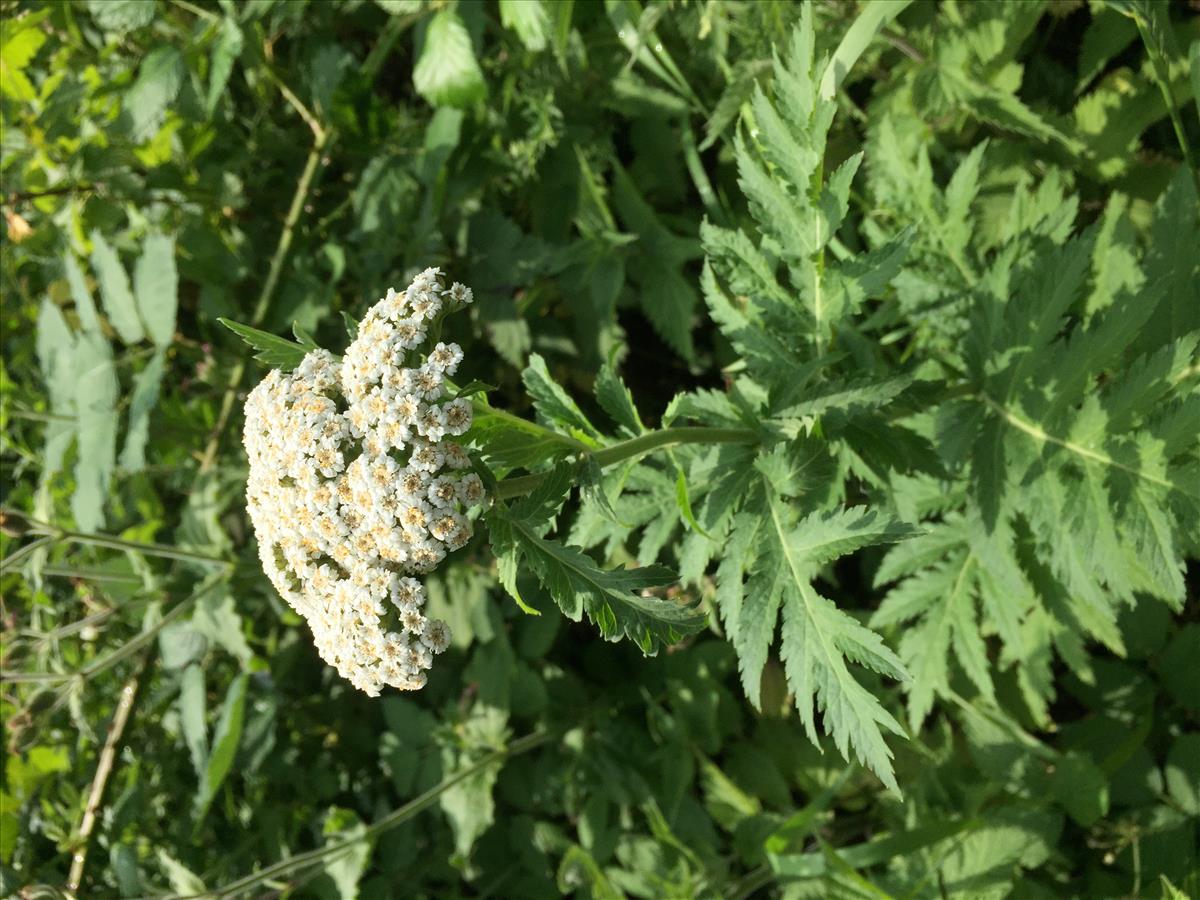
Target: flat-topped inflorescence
[(355, 486)]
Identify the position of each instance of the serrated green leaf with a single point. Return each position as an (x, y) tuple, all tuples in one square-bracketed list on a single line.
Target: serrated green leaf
[(156, 287), (553, 404), (145, 398), (96, 392), (192, 716), (158, 81), (616, 601), (121, 15), (115, 292), (614, 398), (818, 639), (272, 350)]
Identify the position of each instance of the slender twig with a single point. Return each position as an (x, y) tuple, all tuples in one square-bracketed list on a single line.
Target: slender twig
[(25, 196), (126, 650), (395, 27), (310, 120), (322, 137), (69, 629), (1161, 70), (196, 10), (749, 883), (299, 199), (902, 45), (53, 533), (302, 860), (549, 434), (39, 417), (104, 767), (89, 575), (21, 552)]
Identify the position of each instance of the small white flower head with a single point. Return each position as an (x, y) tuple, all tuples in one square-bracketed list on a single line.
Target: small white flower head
[(425, 304), (470, 489), (446, 357), (353, 487), (456, 416), (460, 294), (436, 635), (444, 491), (456, 456)]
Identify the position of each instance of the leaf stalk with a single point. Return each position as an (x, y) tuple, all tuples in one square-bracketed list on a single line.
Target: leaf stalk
[(645, 443)]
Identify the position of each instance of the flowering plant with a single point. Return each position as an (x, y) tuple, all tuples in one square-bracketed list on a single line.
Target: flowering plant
[(763, 474), (354, 486), (841, 464)]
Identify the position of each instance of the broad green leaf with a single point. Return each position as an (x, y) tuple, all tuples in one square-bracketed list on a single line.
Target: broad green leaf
[(345, 868), (217, 618), (876, 851), (85, 306), (529, 20), (180, 645), (55, 349), (447, 74), (727, 803), (183, 880), (121, 15), (157, 85), (19, 44), (225, 52), (468, 804), (1183, 773), (1081, 788), (192, 716), (667, 296)]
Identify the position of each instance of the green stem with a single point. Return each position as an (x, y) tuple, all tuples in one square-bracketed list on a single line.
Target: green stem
[(654, 440), (1161, 70), (483, 409), (50, 533), (130, 647)]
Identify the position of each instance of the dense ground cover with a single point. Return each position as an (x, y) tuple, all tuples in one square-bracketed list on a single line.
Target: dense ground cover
[(863, 395)]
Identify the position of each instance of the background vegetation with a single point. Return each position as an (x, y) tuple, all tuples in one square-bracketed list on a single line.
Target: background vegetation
[(589, 169)]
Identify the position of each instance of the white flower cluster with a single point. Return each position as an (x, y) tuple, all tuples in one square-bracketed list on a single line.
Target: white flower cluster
[(354, 487)]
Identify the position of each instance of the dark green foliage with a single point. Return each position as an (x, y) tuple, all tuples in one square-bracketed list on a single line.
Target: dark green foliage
[(836, 375)]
